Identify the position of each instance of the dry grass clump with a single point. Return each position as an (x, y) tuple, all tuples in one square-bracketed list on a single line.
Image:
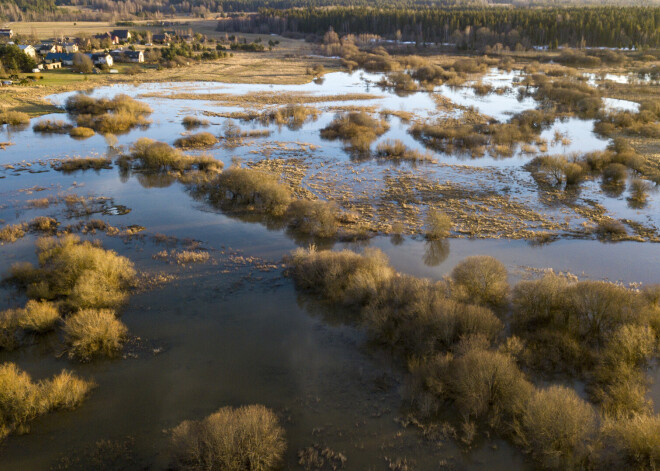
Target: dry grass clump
[(358, 129), (438, 225), (292, 116), (196, 141), (52, 126), (150, 155), (480, 279), (81, 132), (82, 163), (39, 203), (396, 151), (22, 400), (611, 229), (80, 274), (12, 232), (14, 118), (248, 438), (112, 123), (315, 218), (557, 169), (251, 190), (191, 256), (192, 122), (93, 333)]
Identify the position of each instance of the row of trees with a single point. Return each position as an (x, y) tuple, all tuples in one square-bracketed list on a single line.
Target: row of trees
[(608, 26)]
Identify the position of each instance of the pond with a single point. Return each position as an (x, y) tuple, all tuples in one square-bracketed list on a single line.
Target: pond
[(230, 333)]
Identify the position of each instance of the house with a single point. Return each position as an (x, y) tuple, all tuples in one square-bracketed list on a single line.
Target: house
[(108, 36), (122, 34), (6, 33), (120, 55), (161, 38), (52, 65), (28, 50), (101, 58), (64, 58), (70, 47), (45, 48)]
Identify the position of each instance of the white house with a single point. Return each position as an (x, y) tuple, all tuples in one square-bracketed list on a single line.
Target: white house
[(102, 59), (28, 50), (70, 47)]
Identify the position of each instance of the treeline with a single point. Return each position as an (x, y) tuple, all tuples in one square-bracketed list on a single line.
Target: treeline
[(469, 28)]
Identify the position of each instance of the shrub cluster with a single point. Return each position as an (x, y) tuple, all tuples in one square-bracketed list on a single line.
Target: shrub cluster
[(79, 274), (22, 400), (116, 115)]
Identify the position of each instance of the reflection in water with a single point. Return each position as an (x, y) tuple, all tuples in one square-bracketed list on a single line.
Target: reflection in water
[(435, 252)]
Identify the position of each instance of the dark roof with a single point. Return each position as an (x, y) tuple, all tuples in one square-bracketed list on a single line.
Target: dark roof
[(120, 33), (59, 56), (133, 53)]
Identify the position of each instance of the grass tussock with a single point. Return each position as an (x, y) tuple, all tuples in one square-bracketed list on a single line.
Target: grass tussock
[(192, 122), (79, 274), (292, 116), (148, 155), (52, 126), (93, 333), (82, 163), (22, 400), (396, 151), (81, 132), (108, 116), (202, 140), (250, 190), (247, 438), (358, 129), (36, 316), (14, 118)]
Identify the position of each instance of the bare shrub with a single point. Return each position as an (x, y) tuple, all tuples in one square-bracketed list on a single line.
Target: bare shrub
[(83, 163), (92, 333), (12, 232), (556, 427), (480, 279), (250, 190), (22, 400), (37, 316), (438, 225), (344, 277), (631, 443), (248, 438), (313, 217)]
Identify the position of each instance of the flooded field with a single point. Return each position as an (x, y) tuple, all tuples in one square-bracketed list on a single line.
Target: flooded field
[(233, 330)]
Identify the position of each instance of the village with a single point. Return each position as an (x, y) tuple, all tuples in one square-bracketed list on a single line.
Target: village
[(87, 53)]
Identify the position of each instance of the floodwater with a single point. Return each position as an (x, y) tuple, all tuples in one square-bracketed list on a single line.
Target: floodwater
[(226, 333)]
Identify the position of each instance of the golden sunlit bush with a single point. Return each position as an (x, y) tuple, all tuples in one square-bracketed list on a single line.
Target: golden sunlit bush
[(92, 333), (248, 438)]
